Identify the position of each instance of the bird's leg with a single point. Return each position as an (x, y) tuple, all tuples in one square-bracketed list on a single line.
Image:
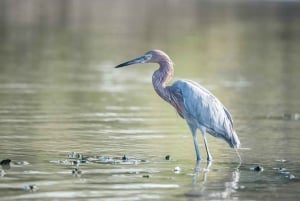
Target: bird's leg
[(209, 157), (193, 130), (196, 147)]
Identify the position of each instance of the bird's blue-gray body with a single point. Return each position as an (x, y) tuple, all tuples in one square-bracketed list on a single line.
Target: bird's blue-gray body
[(203, 110)]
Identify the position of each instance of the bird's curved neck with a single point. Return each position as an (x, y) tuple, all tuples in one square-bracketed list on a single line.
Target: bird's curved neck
[(160, 78)]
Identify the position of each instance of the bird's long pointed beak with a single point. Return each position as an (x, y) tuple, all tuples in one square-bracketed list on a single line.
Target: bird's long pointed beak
[(141, 59)]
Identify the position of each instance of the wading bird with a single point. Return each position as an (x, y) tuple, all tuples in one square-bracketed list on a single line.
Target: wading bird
[(192, 101)]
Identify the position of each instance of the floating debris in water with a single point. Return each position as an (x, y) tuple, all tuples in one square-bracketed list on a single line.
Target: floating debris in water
[(70, 159), (84, 160), (101, 158), (125, 158), (281, 169), (177, 169), (76, 171), (284, 171), (5, 164), (146, 176), (257, 168), (74, 155), (168, 157), (76, 163), (62, 162), (30, 187)]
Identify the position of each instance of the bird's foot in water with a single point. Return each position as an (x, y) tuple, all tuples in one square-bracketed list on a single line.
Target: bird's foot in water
[(209, 158)]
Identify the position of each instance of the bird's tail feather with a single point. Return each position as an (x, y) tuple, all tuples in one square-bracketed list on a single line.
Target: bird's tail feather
[(235, 142)]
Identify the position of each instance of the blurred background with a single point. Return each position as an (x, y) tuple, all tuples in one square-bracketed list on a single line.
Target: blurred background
[(59, 91)]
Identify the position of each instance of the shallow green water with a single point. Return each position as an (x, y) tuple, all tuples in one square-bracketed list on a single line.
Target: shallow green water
[(59, 94)]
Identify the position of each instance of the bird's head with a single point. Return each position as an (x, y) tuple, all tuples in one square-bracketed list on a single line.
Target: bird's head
[(153, 56)]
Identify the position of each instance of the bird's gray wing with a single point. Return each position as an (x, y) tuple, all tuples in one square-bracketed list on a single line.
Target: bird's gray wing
[(208, 92), (201, 107)]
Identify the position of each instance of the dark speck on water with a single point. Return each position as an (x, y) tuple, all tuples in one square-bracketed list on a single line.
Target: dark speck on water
[(76, 163), (30, 187), (281, 169), (124, 158), (258, 168), (168, 157), (76, 171), (5, 164)]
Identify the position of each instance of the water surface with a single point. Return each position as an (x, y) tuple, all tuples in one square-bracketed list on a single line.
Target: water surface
[(60, 97)]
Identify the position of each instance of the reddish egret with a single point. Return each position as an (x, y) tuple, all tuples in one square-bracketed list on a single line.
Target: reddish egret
[(192, 101)]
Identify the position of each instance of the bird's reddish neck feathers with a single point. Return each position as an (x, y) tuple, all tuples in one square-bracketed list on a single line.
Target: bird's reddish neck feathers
[(160, 78)]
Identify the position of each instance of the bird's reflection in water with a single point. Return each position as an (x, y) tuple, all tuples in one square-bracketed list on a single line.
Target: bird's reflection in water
[(202, 189)]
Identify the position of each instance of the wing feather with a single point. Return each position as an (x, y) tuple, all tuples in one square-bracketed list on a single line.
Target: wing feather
[(202, 108)]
